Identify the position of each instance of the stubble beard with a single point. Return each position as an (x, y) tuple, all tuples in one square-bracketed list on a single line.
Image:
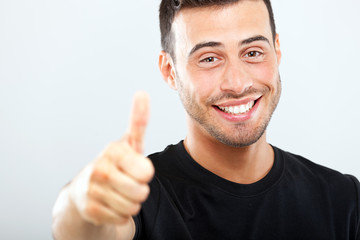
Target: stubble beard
[(241, 135)]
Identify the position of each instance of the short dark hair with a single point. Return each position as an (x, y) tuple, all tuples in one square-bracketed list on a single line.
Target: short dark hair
[(169, 8)]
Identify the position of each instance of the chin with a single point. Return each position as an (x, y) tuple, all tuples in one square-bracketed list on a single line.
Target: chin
[(240, 137)]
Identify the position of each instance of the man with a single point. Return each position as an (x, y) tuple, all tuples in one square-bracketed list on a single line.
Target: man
[(224, 181)]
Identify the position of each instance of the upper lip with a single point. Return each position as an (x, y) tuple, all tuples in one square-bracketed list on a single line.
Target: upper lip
[(237, 102)]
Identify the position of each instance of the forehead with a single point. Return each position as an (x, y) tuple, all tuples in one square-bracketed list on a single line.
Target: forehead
[(233, 21)]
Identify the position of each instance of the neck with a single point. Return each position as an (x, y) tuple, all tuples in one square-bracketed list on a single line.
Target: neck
[(243, 165)]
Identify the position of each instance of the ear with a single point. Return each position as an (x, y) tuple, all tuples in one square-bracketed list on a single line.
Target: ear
[(167, 69), (277, 48)]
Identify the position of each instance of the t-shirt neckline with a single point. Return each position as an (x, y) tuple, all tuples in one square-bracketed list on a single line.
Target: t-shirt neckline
[(241, 190)]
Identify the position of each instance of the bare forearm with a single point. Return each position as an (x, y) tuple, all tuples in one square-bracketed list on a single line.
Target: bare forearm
[(68, 224)]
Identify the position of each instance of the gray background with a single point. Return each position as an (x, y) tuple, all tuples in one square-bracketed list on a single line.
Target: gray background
[(68, 70)]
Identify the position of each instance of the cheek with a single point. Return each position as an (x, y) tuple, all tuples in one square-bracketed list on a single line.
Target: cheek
[(203, 84), (264, 73)]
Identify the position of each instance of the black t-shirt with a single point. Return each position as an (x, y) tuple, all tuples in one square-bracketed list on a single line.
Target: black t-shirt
[(297, 199)]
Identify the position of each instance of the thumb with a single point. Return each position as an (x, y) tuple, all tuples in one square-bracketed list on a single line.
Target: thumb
[(139, 118)]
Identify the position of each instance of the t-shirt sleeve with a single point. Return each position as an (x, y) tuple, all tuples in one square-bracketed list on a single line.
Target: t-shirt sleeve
[(137, 221), (146, 219), (357, 197)]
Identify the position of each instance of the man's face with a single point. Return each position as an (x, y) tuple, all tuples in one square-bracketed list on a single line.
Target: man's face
[(227, 70)]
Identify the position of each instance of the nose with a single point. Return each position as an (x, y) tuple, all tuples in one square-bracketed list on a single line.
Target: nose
[(236, 78)]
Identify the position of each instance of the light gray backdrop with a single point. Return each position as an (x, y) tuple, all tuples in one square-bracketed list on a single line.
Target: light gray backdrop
[(68, 70)]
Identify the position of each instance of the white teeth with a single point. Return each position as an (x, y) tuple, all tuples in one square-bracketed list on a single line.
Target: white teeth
[(244, 108), (236, 109), (240, 109)]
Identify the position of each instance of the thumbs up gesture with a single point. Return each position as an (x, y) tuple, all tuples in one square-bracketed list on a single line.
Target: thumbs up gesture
[(110, 190)]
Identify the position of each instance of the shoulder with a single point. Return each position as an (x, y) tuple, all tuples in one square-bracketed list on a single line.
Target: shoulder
[(306, 171), (169, 159), (169, 151), (295, 162)]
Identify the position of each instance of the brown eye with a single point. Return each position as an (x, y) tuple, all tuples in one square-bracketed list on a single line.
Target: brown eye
[(209, 59), (253, 54), (209, 62)]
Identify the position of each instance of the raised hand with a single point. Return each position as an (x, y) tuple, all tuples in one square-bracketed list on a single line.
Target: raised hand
[(110, 190)]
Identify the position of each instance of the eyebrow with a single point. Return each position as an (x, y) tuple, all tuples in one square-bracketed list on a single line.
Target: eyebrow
[(202, 45), (254, 39), (217, 44)]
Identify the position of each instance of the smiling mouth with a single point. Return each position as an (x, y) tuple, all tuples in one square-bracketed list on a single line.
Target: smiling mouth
[(238, 109)]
